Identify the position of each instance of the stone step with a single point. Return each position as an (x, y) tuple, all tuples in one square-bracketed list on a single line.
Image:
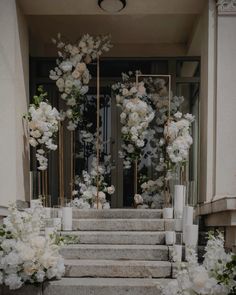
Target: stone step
[(117, 213), (105, 286), (119, 237), (117, 269), (116, 252), (119, 224)]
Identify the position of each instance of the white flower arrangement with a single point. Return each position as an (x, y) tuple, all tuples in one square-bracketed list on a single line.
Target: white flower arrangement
[(152, 192), (135, 118), (215, 276), (25, 255), (43, 125), (71, 73), (177, 134), (88, 187)]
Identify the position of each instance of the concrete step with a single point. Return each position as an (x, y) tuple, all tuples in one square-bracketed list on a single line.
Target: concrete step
[(119, 237), (119, 224), (117, 213), (104, 286), (116, 252), (117, 269)]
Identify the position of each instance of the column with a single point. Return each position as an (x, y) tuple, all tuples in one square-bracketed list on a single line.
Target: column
[(225, 159)]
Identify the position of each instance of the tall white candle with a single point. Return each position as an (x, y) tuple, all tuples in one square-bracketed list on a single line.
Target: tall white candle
[(191, 234), (177, 253), (179, 225), (67, 218), (188, 215), (187, 218), (170, 237), (179, 200), (167, 213)]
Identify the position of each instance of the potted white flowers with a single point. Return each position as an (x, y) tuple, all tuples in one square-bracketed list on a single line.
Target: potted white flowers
[(43, 125)]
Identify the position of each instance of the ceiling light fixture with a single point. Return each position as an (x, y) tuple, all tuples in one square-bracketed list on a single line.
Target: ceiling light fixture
[(112, 6)]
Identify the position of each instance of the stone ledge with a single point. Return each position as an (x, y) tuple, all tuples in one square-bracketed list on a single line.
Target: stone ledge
[(218, 204)]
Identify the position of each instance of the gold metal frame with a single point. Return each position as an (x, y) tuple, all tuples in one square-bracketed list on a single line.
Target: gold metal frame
[(98, 123)]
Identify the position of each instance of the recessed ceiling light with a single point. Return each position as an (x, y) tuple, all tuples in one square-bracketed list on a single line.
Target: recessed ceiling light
[(112, 5)]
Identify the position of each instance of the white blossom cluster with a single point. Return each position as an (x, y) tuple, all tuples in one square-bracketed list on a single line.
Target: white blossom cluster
[(25, 255), (177, 134), (43, 125), (135, 118), (152, 192), (88, 188), (71, 73), (199, 279)]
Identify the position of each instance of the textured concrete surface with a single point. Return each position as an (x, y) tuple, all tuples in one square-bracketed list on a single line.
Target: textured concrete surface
[(119, 224), (116, 252), (117, 269), (105, 286), (117, 213), (119, 237)]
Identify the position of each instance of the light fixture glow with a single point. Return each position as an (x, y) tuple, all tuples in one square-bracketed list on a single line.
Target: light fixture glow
[(112, 6)]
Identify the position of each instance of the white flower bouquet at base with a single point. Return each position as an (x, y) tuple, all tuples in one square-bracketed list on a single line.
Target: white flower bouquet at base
[(26, 257), (216, 276), (87, 187)]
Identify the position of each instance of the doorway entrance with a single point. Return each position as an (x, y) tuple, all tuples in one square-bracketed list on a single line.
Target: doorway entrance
[(185, 73)]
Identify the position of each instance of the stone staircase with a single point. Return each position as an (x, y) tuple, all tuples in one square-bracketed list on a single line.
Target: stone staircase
[(121, 251)]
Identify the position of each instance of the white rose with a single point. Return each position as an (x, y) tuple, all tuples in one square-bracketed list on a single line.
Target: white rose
[(125, 92), (101, 196), (138, 199), (71, 102), (69, 113), (76, 74), (111, 190), (123, 116), (66, 66), (60, 83), (33, 142), (81, 67)]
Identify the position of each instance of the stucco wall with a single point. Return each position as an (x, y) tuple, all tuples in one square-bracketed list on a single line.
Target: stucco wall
[(14, 77)]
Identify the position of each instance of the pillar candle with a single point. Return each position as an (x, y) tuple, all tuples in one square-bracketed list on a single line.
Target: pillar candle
[(177, 253), (188, 215), (167, 213), (35, 203), (179, 224), (67, 218), (187, 218), (57, 223), (179, 200), (170, 237), (47, 212), (191, 234)]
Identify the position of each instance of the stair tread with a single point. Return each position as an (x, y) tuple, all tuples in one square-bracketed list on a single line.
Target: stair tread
[(109, 281), (81, 262), (111, 246)]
